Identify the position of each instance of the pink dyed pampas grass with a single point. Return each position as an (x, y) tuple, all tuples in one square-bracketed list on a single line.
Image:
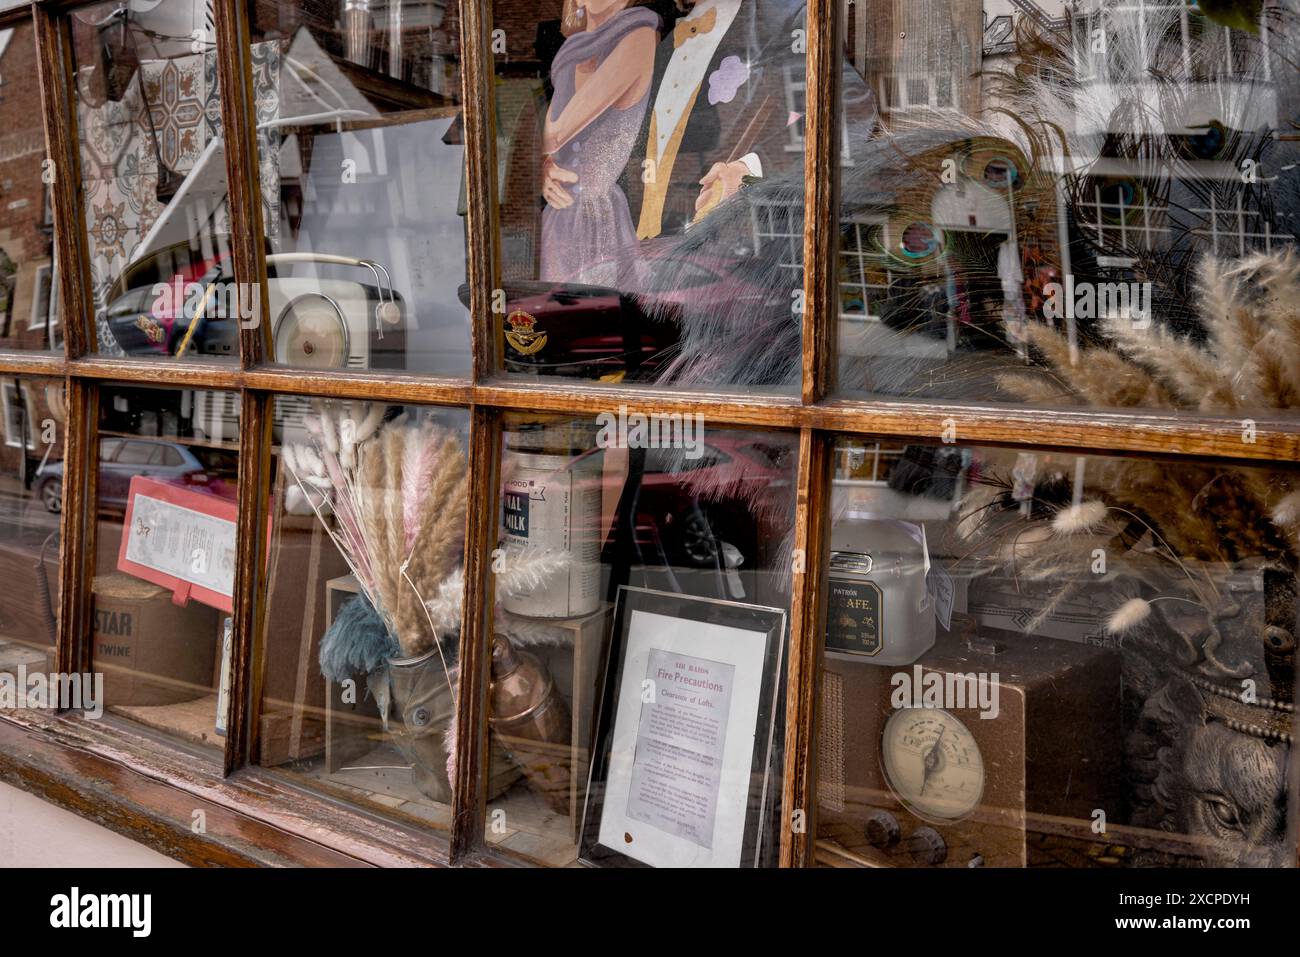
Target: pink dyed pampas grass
[(392, 496)]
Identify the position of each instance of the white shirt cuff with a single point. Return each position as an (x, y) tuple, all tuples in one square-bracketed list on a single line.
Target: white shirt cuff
[(754, 163)]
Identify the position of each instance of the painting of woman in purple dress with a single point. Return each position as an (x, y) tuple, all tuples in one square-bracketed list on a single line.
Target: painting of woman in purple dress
[(602, 76)]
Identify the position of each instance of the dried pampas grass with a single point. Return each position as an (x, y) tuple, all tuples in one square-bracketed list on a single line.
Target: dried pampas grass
[(1084, 517), (1128, 616), (1249, 361), (392, 497)]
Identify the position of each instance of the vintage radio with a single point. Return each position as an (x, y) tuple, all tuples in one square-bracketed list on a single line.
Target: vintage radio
[(946, 761)]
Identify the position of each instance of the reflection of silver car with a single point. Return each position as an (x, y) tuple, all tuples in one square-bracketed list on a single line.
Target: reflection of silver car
[(122, 459)]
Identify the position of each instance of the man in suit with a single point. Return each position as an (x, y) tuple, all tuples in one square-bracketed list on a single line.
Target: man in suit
[(720, 112)]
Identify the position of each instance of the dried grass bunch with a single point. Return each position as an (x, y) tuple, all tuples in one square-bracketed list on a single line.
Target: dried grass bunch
[(1168, 534), (1248, 362), (392, 496)]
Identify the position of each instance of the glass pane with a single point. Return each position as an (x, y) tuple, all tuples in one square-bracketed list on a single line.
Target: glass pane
[(642, 596), (650, 160), (31, 475), (1050, 660), (29, 297), (361, 144), (363, 601), (164, 573), (153, 177), (1089, 206)]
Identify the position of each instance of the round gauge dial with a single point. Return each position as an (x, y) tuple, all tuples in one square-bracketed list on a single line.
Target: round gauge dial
[(932, 763), (312, 333)]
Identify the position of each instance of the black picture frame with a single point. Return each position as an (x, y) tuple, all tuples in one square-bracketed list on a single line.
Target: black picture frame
[(768, 625)]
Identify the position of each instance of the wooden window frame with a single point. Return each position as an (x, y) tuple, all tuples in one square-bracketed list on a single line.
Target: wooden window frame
[(110, 773)]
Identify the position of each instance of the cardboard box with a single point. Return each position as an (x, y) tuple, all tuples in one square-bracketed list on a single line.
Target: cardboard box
[(151, 650)]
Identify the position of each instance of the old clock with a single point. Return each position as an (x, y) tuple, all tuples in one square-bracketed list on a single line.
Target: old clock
[(951, 761)]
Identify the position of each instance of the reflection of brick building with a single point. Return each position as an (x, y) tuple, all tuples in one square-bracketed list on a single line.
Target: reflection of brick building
[(918, 56), (28, 292), (28, 309), (31, 412), (530, 30)]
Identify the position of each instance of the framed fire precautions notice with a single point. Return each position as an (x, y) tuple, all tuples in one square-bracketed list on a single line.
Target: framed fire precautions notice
[(684, 742)]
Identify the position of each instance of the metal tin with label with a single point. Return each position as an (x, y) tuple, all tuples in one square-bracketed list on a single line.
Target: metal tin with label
[(551, 500), (878, 608)]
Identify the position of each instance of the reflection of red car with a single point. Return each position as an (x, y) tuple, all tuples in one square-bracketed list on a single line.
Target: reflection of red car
[(594, 331), (588, 332), (701, 281), (737, 491)]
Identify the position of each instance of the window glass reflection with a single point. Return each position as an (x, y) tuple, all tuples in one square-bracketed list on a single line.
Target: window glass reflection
[(154, 180), (651, 207), (29, 282), (641, 577), (1057, 204), (1046, 660), (364, 591), (31, 477), (361, 148), (164, 567)]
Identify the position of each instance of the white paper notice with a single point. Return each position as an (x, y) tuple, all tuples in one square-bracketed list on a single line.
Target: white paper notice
[(179, 541), (678, 763), (682, 755)]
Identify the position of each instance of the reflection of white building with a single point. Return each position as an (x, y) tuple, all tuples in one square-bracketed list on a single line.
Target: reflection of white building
[(1210, 119)]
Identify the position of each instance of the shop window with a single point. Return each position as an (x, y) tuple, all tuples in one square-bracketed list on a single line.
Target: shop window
[(1052, 660), (990, 271), (31, 480), (639, 144), (361, 144), (156, 208), (642, 597), (166, 535), (368, 508), (29, 312), (1064, 229)]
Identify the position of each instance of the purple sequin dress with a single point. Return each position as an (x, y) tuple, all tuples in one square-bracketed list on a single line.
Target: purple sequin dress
[(594, 240)]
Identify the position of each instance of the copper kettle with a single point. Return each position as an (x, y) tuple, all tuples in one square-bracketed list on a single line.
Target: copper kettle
[(531, 721)]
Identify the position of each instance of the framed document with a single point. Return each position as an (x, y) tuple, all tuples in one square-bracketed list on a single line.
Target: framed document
[(681, 772)]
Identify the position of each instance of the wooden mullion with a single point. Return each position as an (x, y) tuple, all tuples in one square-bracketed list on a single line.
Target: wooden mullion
[(58, 106), (247, 250), (469, 789), (243, 181), (482, 249), (250, 581), (813, 477), (589, 398), (807, 625), (821, 204), (14, 16), (1154, 433), (77, 525)]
